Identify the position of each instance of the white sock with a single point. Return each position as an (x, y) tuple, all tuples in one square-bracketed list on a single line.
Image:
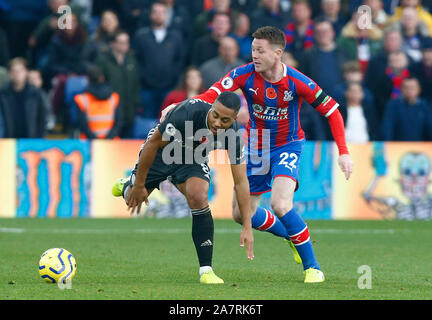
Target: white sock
[(204, 269)]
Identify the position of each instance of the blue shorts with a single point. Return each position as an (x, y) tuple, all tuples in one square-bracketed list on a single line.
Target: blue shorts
[(264, 166)]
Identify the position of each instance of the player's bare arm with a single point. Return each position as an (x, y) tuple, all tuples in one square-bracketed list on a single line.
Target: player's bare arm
[(139, 192), (345, 161), (243, 197)]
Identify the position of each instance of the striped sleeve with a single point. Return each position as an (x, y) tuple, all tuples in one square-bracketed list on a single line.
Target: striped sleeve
[(323, 103), (314, 95)]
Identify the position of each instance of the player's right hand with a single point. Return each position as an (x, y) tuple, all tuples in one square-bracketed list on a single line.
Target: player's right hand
[(246, 236), (136, 197), (346, 164)]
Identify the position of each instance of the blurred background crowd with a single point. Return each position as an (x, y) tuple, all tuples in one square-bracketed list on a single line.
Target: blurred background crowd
[(118, 63)]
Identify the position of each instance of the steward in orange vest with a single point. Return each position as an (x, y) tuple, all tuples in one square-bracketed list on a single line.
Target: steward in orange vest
[(99, 112)]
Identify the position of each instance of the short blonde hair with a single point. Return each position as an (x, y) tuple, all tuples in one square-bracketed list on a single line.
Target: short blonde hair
[(17, 61)]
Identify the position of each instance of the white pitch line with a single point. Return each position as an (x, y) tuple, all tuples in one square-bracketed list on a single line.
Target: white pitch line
[(12, 230), (184, 230)]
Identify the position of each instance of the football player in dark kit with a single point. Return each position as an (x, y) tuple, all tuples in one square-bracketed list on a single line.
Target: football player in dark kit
[(177, 149)]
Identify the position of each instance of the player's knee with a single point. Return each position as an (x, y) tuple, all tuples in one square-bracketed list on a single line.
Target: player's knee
[(281, 207), (197, 200)]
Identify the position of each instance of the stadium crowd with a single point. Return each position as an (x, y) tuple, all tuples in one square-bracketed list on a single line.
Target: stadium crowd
[(109, 70)]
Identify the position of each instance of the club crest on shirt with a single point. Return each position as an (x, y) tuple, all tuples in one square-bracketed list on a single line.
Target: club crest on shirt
[(288, 95)]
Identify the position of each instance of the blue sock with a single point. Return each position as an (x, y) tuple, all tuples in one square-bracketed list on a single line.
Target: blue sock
[(265, 220), (299, 235)]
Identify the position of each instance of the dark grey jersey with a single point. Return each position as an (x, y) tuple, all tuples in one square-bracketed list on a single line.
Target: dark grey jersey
[(190, 138)]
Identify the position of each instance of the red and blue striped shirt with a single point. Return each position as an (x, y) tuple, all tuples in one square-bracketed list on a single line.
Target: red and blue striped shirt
[(275, 106)]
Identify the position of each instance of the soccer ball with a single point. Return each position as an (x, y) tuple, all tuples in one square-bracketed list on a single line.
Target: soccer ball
[(57, 265)]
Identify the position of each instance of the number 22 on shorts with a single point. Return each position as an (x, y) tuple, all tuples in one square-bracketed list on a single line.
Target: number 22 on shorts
[(288, 160)]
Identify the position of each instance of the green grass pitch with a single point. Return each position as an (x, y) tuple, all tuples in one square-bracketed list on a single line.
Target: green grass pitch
[(155, 259)]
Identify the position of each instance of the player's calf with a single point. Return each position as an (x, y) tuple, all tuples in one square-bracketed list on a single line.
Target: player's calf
[(298, 232)]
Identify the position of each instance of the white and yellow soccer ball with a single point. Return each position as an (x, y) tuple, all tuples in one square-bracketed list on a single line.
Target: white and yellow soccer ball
[(57, 265)]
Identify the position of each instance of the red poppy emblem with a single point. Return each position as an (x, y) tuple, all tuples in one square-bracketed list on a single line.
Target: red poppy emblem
[(271, 93)]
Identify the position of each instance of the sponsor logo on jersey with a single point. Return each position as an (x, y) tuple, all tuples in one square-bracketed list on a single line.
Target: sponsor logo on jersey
[(254, 90), (270, 113), (311, 85), (257, 108)]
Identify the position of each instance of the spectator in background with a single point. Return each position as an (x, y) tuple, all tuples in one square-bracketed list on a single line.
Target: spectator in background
[(120, 69), (378, 63), (360, 43), (65, 60), (353, 74), (178, 18), (99, 41), (228, 59), (323, 63), (241, 33), (408, 118), (299, 32), (189, 86), (66, 47), (331, 11), (422, 70), (207, 47), (42, 35), (35, 79), (160, 54), (21, 104), (423, 14), (203, 23), (380, 18), (360, 121), (413, 32), (387, 85), (99, 113), (269, 13)]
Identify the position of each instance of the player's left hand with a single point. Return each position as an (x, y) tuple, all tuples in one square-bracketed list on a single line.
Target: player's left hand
[(135, 199), (166, 110), (346, 164), (246, 237)]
